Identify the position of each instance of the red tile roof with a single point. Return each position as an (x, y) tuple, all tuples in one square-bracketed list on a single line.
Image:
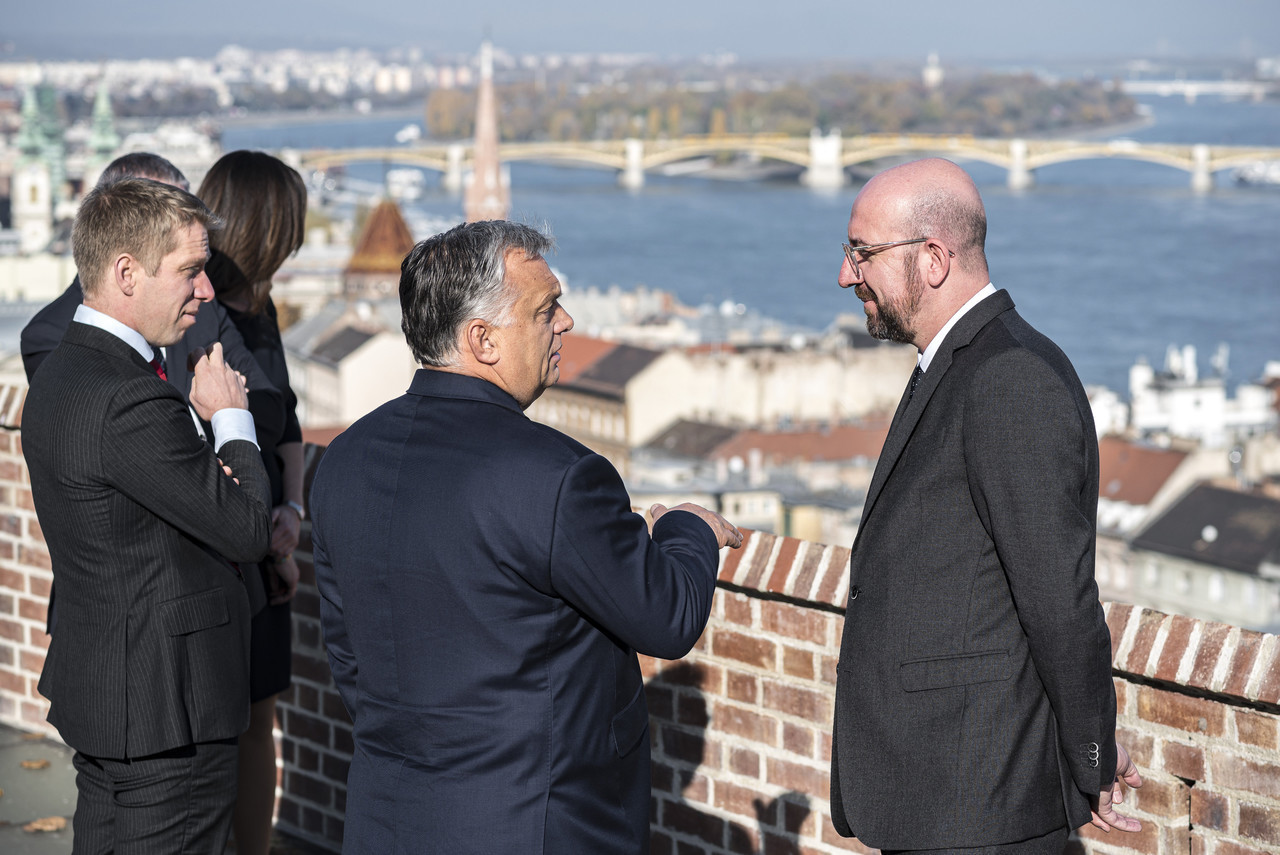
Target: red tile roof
[(841, 442), (580, 352), (1134, 473)]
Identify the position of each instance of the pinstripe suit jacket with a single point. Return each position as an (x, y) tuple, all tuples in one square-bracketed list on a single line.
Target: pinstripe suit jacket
[(152, 647), (974, 702)]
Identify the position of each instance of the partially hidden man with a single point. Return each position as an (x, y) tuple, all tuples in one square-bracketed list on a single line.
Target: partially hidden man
[(975, 710), (486, 587), (148, 672)]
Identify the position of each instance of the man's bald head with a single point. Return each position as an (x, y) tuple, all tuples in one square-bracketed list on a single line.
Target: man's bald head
[(934, 198)]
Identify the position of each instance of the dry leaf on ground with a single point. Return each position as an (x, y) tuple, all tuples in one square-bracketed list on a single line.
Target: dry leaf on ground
[(32, 737), (35, 764), (48, 823)]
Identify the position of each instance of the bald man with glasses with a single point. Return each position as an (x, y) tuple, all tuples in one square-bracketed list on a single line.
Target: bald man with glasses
[(975, 711)]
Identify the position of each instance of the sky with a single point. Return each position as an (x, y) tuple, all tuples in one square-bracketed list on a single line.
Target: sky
[(752, 29)]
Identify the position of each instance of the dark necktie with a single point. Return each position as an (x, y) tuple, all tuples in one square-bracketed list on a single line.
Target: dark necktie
[(915, 378), (158, 367)]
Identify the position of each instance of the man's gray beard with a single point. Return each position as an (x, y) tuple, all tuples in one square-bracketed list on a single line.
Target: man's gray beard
[(892, 321)]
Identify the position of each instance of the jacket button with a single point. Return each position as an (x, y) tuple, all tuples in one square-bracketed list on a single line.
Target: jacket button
[(854, 592)]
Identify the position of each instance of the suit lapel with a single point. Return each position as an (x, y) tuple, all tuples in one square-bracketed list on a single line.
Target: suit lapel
[(909, 412)]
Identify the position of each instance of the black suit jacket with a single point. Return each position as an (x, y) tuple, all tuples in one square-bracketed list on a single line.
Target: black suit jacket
[(485, 587), (44, 331), (974, 703), (152, 647)]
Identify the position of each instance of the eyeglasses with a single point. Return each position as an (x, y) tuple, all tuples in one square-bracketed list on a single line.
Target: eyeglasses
[(850, 252)]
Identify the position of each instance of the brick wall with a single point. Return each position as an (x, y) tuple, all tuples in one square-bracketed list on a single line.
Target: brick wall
[(741, 728)]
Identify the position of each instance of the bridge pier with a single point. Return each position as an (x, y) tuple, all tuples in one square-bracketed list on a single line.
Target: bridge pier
[(1201, 177), (451, 178), (632, 175), (825, 170), (1020, 178)]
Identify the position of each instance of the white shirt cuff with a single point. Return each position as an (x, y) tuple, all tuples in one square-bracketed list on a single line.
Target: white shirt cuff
[(232, 423)]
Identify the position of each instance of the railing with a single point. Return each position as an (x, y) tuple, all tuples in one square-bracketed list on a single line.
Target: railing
[(741, 727)]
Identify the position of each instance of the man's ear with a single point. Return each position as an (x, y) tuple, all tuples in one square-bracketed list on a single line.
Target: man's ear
[(480, 342), (126, 274), (937, 263)]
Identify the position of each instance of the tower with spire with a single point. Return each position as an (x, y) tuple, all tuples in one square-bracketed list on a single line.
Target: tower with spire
[(103, 139), (33, 187), (488, 193)]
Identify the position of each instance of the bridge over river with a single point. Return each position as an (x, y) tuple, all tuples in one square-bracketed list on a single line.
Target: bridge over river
[(824, 158)]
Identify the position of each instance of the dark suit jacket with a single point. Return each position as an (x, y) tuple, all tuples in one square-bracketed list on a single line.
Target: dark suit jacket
[(43, 332), (152, 647), (974, 703), (485, 588)]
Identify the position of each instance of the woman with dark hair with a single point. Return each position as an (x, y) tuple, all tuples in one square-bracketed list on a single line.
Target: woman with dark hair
[(264, 204)]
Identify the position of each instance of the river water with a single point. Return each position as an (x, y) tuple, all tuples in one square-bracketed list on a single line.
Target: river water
[(1113, 259)]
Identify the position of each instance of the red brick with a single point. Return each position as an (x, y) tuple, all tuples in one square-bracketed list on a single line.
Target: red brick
[(1149, 624), (1185, 761), (1256, 729), (733, 558), (802, 703), (307, 727), (736, 721), (828, 666), (11, 470), (1242, 663), (740, 686), (34, 556), (1209, 809), (22, 499), (736, 799), (793, 622), (737, 607), (837, 572), (1174, 840), (11, 630), (1147, 840), (807, 572), (744, 648), (761, 564), (8, 654), (40, 587), (797, 663), (38, 637), (691, 709), (32, 663), (682, 745), (1269, 689), (8, 605), (1231, 772), (1141, 746), (34, 531), (309, 789), (802, 779), (12, 682), (742, 840), (1175, 645), (7, 550), (311, 668), (13, 580), (797, 739), (1232, 847), (1260, 823), (1194, 715), (661, 776), (33, 609), (696, 788), (744, 762), (1164, 798), (11, 524), (782, 565), (684, 819)]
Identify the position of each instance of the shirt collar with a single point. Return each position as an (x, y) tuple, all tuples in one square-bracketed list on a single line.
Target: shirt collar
[(106, 323), (925, 358)]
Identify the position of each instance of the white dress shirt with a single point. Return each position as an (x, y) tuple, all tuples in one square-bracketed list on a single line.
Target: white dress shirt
[(925, 358), (228, 423)]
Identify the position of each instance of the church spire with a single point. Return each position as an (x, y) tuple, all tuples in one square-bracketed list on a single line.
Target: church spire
[(488, 195), (103, 139)]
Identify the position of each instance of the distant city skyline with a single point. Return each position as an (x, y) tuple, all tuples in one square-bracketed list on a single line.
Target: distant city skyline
[(996, 30)]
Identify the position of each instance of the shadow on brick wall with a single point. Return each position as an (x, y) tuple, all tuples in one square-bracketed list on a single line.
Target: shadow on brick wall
[(684, 806)]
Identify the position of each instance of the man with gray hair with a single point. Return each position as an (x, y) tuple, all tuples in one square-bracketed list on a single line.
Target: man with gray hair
[(486, 587), (148, 673)]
